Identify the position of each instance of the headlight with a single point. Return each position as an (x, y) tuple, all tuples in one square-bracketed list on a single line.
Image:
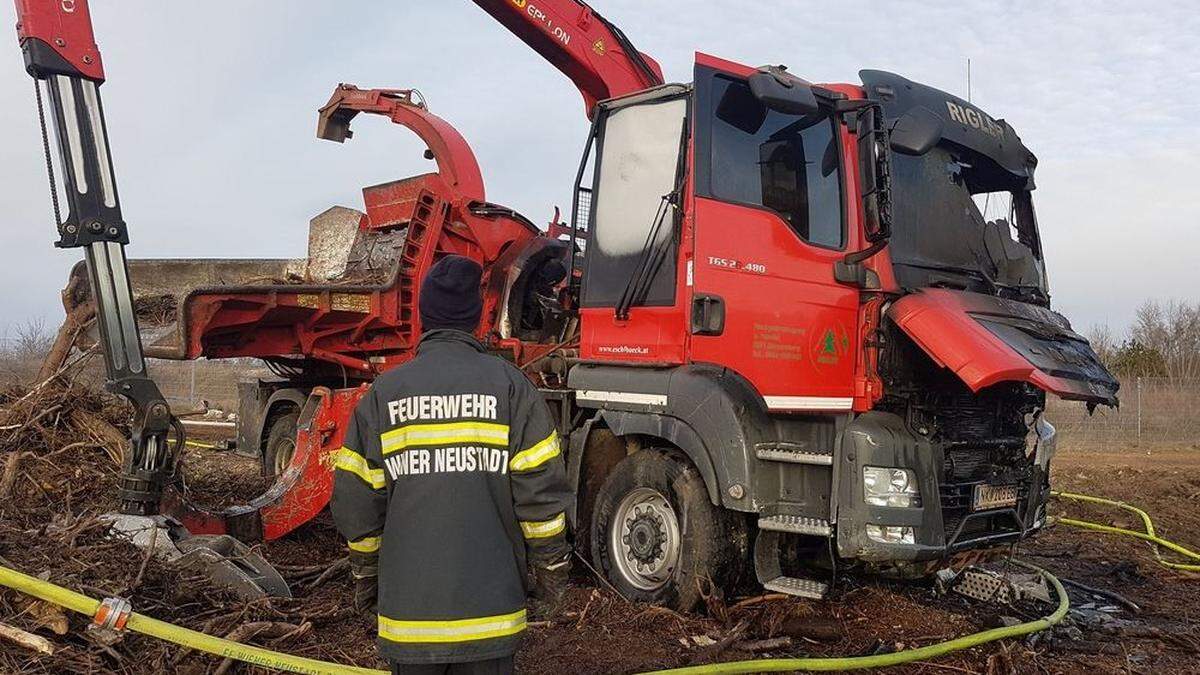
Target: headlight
[(890, 534), (890, 487)]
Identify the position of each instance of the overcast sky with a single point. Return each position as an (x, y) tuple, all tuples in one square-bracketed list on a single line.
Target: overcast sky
[(212, 109)]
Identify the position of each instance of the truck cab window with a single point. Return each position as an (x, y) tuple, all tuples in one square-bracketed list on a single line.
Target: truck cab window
[(786, 163)]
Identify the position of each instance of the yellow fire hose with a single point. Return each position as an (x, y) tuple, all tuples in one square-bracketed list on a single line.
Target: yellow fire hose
[(1149, 535), (162, 630), (258, 656), (894, 658)]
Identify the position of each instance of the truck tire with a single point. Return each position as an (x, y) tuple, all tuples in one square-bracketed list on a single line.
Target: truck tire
[(656, 536), (281, 444)]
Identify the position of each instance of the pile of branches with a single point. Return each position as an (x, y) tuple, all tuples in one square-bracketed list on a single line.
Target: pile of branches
[(60, 451), (55, 428)]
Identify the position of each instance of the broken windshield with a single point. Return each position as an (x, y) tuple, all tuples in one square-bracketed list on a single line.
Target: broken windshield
[(960, 219)]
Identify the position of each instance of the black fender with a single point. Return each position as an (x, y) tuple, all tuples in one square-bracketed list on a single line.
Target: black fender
[(253, 415), (710, 413), (671, 429)]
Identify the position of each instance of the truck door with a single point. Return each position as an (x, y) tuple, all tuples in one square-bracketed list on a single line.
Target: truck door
[(633, 308), (770, 222)]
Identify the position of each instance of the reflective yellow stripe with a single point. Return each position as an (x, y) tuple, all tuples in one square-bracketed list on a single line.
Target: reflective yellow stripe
[(543, 451), (446, 433), (365, 545), (545, 528), (461, 630), (349, 460)]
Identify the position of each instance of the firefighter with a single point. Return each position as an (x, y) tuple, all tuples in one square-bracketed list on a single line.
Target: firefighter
[(451, 491)]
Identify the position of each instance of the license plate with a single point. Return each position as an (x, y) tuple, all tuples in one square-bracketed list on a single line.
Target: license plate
[(994, 497)]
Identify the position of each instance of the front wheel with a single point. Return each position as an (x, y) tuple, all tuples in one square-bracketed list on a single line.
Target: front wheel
[(656, 536)]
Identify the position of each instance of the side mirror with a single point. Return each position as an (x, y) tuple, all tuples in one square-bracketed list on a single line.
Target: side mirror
[(916, 132), (874, 172), (779, 91)]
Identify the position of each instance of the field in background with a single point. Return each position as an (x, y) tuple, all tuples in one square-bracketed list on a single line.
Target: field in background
[(1155, 413), (187, 385)]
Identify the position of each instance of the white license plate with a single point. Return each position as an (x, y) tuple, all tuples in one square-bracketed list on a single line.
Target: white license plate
[(994, 497)]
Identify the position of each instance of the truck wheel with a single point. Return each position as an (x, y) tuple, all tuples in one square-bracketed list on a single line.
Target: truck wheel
[(655, 535), (281, 444)]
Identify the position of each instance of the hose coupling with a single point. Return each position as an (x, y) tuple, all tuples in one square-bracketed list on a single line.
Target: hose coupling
[(112, 614)]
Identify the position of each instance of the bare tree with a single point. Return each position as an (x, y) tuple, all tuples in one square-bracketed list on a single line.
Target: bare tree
[(32, 340), (1104, 342), (1173, 330)]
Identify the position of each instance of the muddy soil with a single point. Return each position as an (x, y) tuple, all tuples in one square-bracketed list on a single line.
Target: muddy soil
[(217, 479), (64, 477)]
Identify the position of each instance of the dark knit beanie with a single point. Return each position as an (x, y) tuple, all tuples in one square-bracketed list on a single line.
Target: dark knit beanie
[(450, 296)]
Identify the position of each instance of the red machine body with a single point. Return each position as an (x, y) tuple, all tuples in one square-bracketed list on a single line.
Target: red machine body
[(366, 327), (583, 45)]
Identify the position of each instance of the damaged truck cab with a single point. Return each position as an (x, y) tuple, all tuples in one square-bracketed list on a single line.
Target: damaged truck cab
[(830, 304)]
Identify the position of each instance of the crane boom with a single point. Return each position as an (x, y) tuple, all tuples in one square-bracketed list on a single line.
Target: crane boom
[(584, 46), (60, 51)]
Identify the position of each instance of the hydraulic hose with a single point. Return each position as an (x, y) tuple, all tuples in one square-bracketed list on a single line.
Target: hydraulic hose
[(895, 658), (185, 637), (1149, 535)]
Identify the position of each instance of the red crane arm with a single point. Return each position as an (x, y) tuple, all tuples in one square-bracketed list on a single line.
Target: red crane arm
[(585, 46), (57, 39), (455, 160)]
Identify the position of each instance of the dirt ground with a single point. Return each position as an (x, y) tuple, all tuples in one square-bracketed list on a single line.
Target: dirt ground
[(64, 477)]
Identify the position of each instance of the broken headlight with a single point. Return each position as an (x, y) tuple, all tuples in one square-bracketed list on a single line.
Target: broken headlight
[(883, 486), (1047, 442)]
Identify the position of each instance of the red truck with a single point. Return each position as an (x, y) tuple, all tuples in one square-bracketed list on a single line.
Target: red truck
[(787, 327)]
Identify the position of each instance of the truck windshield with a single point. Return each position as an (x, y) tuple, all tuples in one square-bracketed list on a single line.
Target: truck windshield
[(956, 213)]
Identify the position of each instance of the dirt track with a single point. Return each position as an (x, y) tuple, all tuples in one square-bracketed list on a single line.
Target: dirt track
[(48, 527)]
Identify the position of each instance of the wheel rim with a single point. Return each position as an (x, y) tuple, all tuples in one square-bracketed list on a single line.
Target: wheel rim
[(283, 455), (644, 538)]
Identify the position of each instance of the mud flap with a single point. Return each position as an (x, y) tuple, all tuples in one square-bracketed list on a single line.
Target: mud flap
[(300, 492)]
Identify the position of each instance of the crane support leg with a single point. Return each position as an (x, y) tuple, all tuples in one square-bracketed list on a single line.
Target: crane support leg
[(60, 53)]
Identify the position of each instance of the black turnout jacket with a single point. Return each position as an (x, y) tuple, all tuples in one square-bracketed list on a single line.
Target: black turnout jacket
[(452, 475)]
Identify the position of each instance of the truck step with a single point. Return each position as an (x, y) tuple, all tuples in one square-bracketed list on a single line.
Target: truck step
[(795, 525), (792, 453), (804, 588)]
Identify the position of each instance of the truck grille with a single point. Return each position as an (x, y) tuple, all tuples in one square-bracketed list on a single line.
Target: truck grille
[(963, 469)]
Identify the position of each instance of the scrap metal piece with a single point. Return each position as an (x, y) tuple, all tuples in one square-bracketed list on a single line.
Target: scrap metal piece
[(1031, 587), (984, 585), (223, 559)]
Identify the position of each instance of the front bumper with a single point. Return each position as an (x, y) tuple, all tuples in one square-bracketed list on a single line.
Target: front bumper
[(946, 523)]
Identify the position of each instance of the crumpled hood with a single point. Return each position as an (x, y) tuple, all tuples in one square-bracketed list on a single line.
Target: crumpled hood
[(986, 340)]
